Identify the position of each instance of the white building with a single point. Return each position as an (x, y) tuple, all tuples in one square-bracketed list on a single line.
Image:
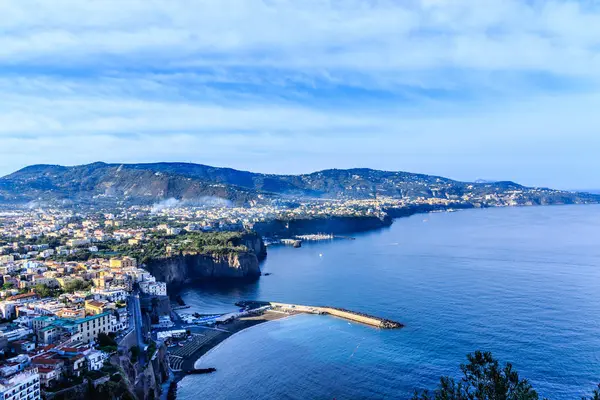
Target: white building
[(8, 309), (15, 365), (120, 322), (164, 321), (112, 295), (138, 274), (6, 259), (22, 386), (95, 360), (16, 334), (77, 242), (176, 333), (154, 288)]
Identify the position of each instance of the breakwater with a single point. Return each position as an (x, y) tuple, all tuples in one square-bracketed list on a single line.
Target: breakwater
[(340, 313)]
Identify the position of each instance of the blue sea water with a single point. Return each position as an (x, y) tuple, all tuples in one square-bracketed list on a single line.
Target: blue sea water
[(520, 282)]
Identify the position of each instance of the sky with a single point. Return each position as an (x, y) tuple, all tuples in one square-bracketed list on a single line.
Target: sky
[(468, 89)]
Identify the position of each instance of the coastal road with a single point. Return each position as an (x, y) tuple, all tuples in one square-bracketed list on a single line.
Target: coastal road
[(137, 319)]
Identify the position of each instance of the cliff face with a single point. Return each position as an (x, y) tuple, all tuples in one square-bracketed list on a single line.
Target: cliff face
[(407, 211), (185, 268), (335, 225), (255, 244)]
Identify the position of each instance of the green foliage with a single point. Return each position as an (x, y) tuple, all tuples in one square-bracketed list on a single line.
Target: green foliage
[(109, 368), (595, 394), (211, 242), (192, 242), (135, 353), (46, 291), (8, 285), (65, 383), (108, 349), (94, 374), (483, 379), (105, 340), (76, 285), (81, 255), (151, 349), (112, 390)]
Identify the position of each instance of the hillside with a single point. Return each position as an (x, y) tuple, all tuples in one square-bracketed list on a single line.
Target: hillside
[(147, 183)]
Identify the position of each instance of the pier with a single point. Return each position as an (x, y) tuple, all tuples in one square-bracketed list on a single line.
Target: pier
[(315, 237), (338, 312)]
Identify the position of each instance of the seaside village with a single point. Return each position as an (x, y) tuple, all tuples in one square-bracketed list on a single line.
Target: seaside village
[(68, 320), (61, 321), (46, 338)]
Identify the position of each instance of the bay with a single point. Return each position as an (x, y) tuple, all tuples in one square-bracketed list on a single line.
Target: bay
[(520, 282)]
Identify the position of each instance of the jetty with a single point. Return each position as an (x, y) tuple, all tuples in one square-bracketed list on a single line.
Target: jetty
[(315, 237), (349, 315), (292, 242)]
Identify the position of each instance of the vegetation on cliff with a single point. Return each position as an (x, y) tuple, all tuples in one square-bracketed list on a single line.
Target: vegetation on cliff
[(214, 242), (161, 246)]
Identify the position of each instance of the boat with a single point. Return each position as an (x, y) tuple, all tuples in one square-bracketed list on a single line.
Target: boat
[(201, 371)]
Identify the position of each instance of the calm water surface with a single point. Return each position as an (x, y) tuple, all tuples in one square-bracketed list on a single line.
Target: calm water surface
[(520, 282)]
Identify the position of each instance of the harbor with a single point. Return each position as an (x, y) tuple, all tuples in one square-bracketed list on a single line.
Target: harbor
[(297, 240), (348, 315), (196, 334)]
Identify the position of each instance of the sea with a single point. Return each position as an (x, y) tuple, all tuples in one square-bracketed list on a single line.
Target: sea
[(523, 283)]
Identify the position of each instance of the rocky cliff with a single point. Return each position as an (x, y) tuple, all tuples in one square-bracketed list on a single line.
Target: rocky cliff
[(334, 225), (183, 268), (407, 211)]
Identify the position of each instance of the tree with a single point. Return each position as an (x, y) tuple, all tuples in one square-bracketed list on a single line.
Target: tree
[(135, 353), (483, 379), (8, 285), (172, 393), (46, 291), (75, 285), (105, 340), (595, 395)]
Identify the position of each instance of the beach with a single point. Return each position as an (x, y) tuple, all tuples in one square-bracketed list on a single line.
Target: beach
[(218, 335)]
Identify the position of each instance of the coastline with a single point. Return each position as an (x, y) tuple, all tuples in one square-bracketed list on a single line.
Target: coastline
[(195, 358), (242, 325), (244, 330), (228, 331)]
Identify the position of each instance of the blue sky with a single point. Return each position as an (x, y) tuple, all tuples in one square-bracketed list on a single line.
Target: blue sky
[(491, 89)]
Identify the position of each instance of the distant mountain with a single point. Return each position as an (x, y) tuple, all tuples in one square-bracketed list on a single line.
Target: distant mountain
[(147, 183)]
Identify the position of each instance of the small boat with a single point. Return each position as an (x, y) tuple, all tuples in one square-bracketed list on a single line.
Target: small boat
[(202, 371)]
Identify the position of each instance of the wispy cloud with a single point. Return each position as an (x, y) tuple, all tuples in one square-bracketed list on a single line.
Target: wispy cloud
[(456, 87)]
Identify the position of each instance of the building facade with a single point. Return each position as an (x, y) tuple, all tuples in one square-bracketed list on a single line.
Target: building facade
[(22, 386)]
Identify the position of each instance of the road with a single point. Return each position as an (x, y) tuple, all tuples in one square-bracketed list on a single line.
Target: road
[(137, 320)]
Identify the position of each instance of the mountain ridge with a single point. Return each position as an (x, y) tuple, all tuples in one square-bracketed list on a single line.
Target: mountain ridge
[(149, 182)]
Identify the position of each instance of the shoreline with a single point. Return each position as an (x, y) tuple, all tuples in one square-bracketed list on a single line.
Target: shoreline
[(229, 330), (244, 330)]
